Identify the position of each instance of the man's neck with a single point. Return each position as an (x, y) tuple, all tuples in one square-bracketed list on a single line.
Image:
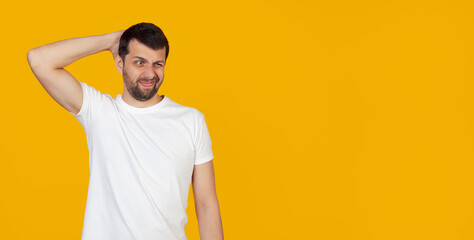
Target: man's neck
[(127, 98)]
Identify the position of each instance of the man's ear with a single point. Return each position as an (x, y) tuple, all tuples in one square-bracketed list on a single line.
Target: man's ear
[(119, 63)]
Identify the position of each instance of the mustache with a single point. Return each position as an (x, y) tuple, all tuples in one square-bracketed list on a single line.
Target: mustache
[(156, 79)]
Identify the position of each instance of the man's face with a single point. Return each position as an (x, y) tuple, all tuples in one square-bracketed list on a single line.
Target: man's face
[(143, 70)]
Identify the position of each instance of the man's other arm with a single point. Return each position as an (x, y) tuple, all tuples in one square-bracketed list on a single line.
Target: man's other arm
[(47, 63), (206, 203)]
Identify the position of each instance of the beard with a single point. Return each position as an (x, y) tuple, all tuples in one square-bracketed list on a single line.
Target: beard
[(135, 91)]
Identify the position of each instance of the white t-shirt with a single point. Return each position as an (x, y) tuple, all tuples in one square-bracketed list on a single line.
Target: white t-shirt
[(141, 162)]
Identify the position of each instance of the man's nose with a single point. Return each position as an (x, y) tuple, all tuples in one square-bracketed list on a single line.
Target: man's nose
[(149, 72)]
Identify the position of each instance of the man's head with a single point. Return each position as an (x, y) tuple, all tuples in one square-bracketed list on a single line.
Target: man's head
[(143, 51), (147, 34)]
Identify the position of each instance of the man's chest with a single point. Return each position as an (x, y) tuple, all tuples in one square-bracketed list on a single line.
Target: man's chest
[(159, 143)]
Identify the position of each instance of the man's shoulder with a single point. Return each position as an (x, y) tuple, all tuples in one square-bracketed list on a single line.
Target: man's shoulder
[(183, 109), (92, 90)]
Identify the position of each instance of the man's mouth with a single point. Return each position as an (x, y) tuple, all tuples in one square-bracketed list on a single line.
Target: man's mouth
[(147, 83)]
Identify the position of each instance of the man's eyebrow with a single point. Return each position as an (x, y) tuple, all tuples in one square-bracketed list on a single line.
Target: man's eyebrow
[(143, 59)]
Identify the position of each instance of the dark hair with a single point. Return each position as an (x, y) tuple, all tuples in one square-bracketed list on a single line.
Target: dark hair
[(146, 33)]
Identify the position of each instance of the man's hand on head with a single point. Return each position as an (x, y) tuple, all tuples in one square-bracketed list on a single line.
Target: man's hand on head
[(115, 46)]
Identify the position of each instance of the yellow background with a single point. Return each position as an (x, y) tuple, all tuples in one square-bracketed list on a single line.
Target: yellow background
[(329, 119)]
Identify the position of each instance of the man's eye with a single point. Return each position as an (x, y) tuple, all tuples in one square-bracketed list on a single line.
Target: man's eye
[(139, 62)]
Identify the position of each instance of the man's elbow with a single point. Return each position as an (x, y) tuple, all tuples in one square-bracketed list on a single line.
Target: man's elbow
[(34, 59), (30, 56), (39, 63)]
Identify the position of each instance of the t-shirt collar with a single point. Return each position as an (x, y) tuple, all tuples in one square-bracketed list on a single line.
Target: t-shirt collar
[(149, 109)]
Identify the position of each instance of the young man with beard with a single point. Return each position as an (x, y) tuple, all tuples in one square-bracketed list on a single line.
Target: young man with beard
[(145, 149)]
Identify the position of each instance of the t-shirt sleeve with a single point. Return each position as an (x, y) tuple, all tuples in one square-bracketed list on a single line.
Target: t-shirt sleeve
[(91, 99), (203, 144)]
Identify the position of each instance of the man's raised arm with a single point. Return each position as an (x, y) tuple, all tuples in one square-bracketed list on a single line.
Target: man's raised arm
[(47, 63)]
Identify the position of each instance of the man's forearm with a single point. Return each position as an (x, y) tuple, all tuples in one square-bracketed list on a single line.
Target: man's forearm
[(210, 223), (62, 53)]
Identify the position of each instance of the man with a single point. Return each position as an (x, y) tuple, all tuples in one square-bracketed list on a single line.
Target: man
[(145, 149)]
